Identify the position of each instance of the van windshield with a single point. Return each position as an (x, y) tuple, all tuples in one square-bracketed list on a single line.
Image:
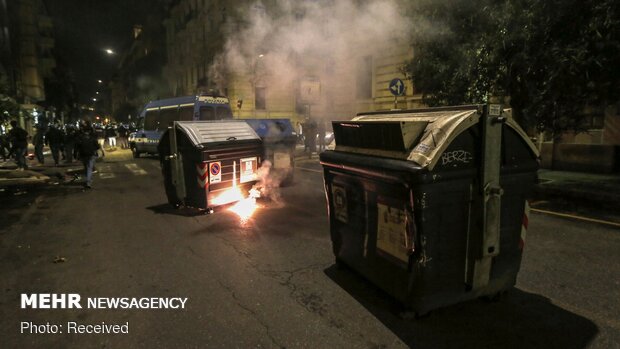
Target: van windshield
[(223, 113), (207, 113)]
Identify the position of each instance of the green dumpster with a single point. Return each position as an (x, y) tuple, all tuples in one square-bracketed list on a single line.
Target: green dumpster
[(430, 204)]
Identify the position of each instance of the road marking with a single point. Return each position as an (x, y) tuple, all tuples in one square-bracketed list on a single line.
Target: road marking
[(105, 172), (135, 169), (566, 215), (309, 169)]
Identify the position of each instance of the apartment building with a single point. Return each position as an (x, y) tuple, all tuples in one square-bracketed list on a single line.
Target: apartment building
[(201, 33)]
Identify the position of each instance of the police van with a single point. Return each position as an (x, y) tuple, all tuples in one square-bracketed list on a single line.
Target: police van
[(158, 115)]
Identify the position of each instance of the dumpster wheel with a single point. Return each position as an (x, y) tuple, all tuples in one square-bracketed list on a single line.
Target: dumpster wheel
[(414, 315)]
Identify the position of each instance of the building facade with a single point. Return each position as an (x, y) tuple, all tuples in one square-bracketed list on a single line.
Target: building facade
[(199, 37), (27, 56)]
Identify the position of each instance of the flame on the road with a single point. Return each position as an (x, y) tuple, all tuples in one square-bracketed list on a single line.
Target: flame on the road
[(230, 195), (245, 208)]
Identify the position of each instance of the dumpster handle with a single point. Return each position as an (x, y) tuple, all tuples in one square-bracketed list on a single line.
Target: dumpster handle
[(231, 138)]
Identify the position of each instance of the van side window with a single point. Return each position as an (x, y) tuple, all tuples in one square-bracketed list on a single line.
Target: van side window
[(151, 119), (207, 113), (167, 117), (223, 113), (186, 113)]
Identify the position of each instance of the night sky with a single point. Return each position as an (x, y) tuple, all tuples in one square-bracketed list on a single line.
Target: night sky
[(85, 28)]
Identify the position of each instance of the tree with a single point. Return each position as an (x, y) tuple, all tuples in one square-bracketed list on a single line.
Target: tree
[(552, 58), (60, 89)]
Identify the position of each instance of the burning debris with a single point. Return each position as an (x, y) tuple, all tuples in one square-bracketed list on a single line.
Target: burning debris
[(267, 187)]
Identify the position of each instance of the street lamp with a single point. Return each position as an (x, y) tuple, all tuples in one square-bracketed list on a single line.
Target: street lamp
[(109, 51), (94, 99), (99, 81)]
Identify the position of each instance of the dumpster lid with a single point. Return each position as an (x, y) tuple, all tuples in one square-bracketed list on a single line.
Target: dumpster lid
[(420, 136), (208, 132)]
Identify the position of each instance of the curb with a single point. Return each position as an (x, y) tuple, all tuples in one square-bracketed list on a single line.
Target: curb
[(587, 197)]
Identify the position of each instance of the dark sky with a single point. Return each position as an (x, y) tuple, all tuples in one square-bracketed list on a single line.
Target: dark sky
[(85, 28)]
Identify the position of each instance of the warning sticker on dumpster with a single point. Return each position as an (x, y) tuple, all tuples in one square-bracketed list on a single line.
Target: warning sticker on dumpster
[(248, 172), (392, 232), (339, 195), (215, 172)]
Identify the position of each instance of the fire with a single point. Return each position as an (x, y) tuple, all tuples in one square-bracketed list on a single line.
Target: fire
[(231, 195), (244, 207)]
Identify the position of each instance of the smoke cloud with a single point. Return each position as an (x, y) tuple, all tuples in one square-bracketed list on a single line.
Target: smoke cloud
[(282, 42)]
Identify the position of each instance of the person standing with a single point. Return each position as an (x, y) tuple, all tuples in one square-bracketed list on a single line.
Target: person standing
[(110, 134), (100, 134), (87, 147), (122, 136), (69, 142), (39, 141), (55, 138), (19, 144), (304, 135), (311, 136), (321, 131), (5, 146)]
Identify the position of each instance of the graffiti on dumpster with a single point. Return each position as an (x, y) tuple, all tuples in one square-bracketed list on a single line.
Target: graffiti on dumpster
[(456, 156)]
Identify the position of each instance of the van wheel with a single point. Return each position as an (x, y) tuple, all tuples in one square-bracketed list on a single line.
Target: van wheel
[(136, 154)]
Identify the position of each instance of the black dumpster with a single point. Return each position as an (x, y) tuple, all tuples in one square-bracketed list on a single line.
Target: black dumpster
[(209, 163), (430, 204), (279, 140)]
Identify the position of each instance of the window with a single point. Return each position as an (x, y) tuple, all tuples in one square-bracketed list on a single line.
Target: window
[(223, 113), (364, 78), (207, 113), (259, 98), (186, 113), (167, 116), (151, 119), (594, 121)]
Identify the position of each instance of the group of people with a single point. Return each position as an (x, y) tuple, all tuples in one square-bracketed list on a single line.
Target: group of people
[(311, 131), (72, 143), (113, 134)]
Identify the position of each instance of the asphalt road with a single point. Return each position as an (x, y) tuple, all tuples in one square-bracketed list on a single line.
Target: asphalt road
[(270, 281)]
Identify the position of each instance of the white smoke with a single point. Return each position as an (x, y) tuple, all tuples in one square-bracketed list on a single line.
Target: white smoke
[(278, 44)]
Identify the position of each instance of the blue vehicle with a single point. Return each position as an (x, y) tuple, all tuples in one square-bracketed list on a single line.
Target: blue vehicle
[(158, 115)]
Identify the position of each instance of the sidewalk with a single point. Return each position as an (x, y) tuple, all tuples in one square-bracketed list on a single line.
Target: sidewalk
[(42, 174), (587, 188)]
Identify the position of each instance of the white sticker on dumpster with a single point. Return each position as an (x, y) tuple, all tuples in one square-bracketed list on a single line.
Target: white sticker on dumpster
[(281, 160), (215, 172), (339, 195), (248, 171), (392, 231)]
